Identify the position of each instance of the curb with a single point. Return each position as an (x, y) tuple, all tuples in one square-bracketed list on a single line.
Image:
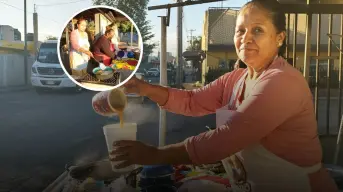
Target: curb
[(15, 89)]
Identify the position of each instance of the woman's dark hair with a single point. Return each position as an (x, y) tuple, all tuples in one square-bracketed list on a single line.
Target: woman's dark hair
[(80, 20), (274, 9), (108, 31)]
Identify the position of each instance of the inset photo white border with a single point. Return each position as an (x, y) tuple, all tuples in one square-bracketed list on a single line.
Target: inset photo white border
[(106, 87)]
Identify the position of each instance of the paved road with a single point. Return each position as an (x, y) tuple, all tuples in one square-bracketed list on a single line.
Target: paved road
[(40, 134)]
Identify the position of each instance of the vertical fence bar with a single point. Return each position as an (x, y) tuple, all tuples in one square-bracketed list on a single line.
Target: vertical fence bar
[(307, 56), (340, 74), (340, 119), (317, 66), (328, 79), (288, 32), (163, 81), (338, 144), (295, 30)]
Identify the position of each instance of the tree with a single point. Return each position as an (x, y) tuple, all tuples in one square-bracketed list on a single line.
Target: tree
[(125, 26), (137, 11), (51, 38), (195, 45)]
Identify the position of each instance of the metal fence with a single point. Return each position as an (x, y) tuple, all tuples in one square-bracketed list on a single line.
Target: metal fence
[(321, 62)]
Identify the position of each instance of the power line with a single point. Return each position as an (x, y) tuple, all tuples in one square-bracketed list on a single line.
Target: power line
[(65, 3), (29, 12), (11, 5)]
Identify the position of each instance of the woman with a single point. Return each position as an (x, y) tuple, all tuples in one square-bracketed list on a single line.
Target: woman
[(266, 133), (80, 53), (103, 49)]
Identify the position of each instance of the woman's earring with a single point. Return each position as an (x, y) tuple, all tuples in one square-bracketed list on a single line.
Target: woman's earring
[(280, 44)]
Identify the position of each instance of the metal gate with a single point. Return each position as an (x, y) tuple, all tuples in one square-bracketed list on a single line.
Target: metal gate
[(314, 47)]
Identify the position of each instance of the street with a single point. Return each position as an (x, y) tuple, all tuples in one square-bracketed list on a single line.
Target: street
[(40, 134)]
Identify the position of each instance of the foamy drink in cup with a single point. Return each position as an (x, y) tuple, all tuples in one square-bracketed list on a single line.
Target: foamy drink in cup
[(114, 132), (108, 103)]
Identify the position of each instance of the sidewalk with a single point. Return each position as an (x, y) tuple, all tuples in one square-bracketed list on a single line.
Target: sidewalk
[(15, 89)]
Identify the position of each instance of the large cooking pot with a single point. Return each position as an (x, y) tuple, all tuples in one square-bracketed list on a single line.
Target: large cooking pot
[(100, 172)]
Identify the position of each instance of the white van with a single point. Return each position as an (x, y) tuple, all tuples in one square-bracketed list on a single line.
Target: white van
[(46, 72)]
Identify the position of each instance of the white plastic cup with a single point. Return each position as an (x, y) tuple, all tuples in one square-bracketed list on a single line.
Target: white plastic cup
[(114, 132)]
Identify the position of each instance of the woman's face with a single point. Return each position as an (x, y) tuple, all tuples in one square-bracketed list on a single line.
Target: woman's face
[(256, 38), (82, 25)]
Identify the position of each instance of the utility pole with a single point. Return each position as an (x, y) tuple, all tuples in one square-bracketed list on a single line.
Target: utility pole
[(25, 46), (35, 29), (179, 46), (191, 31), (163, 80)]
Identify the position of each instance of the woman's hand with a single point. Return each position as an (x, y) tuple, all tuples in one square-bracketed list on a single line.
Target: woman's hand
[(134, 152), (136, 86), (156, 93)]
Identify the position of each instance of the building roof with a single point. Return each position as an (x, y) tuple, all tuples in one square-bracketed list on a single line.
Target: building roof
[(6, 26)]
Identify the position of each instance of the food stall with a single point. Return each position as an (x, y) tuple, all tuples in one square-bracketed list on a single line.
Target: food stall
[(127, 50)]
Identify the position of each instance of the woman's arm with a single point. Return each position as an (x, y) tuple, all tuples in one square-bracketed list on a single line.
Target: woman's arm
[(74, 40), (173, 154), (156, 93), (261, 113), (198, 102)]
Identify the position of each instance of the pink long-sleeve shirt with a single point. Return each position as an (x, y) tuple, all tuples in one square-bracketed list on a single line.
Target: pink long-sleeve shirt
[(278, 114), (74, 40)]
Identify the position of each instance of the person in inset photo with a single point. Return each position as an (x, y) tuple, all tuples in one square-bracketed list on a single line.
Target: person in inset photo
[(93, 42), (80, 48), (103, 49)]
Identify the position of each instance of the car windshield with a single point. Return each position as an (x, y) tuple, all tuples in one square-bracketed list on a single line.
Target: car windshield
[(48, 53), (140, 71)]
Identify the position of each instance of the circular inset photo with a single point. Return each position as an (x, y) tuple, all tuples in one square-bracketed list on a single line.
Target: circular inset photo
[(100, 48)]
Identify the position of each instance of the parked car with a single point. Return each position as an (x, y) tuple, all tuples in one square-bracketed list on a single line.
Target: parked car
[(47, 73), (153, 72), (141, 71)]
